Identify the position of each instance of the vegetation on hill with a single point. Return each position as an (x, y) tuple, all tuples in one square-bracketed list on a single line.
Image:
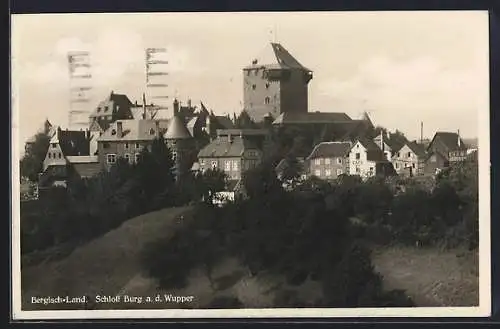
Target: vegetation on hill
[(315, 237)]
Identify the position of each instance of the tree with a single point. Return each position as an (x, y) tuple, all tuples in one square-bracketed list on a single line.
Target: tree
[(244, 121), (32, 162), (292, 170), (155, 172), (211, 182)]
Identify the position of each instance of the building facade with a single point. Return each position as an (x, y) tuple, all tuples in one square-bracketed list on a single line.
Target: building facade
[(274, 84), (114, 107), (410, 160), (233, 151), (445, 149), (366, 159), (329, 160)]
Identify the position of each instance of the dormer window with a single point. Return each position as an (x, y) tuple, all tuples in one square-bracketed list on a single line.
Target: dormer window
[(267, 100)]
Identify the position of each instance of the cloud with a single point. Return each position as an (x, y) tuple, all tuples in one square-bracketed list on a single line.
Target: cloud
[(420, 87), (115, 55)]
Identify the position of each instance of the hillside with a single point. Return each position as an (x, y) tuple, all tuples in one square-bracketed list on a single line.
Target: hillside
[(102, 266)]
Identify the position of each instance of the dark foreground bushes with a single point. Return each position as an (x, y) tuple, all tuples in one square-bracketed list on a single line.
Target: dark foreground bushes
[(291, 235)]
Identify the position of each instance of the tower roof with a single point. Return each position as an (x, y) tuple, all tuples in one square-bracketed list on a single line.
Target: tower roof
[(177, 129), (276, 56)]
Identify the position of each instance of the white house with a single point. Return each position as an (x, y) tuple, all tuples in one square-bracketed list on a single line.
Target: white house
[(365, 158), (410, 159)]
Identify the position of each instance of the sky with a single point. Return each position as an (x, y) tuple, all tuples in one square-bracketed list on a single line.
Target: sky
[(403, 68)]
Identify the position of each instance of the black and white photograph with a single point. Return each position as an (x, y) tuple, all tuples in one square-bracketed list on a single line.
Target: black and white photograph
[(250, 164)]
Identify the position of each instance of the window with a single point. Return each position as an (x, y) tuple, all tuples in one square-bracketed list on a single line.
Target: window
[(126, 145), (137, 157), (151, 131), (127, 157), (174, 155), (54, 155), (358, 156), (399, 154), (317, 161), (137, 145), (413, 165), (397, 165), (235, 165), (50, 155), (433, 158), (317, 173), (59, 155), (113, 132), (54, 145), (214, 164), (254, 86), (327, 162), (357, 170), (98, 109), (267, 100), (267, 85), (339, 172), (228, 165), (339, 160), (111, 158), (106, 108), (202, 162), (328, 172), (409, 155)]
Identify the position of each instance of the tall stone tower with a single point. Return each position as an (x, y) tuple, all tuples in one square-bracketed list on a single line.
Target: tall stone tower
[(180, 142), (275, 83)]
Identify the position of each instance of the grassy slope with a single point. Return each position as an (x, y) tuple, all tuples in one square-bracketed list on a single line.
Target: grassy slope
[(104, 265), (430, 276)]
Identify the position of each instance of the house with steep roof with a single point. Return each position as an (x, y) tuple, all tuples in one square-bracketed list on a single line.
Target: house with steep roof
[(68, 156), (445, 149), (233, 151), (367, 160), (112, 108), (410, 159), (275, 82), (47, 129), (329, 160), (126, 139)]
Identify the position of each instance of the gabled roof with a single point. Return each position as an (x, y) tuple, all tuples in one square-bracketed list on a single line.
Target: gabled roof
[(133, 130), (71, 142), (177, 129), (374, 153), (222, 147), (330, 150), (105, 107), (418, 149), (311, 117), (449, 140), (276, 56)]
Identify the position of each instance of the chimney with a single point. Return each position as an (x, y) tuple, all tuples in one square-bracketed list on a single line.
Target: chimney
[(189, 103), (136, 103), (157, 123), (119, 129), (176, 107), (458, 141), (144, 106), (382, 140), (421, 132)]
